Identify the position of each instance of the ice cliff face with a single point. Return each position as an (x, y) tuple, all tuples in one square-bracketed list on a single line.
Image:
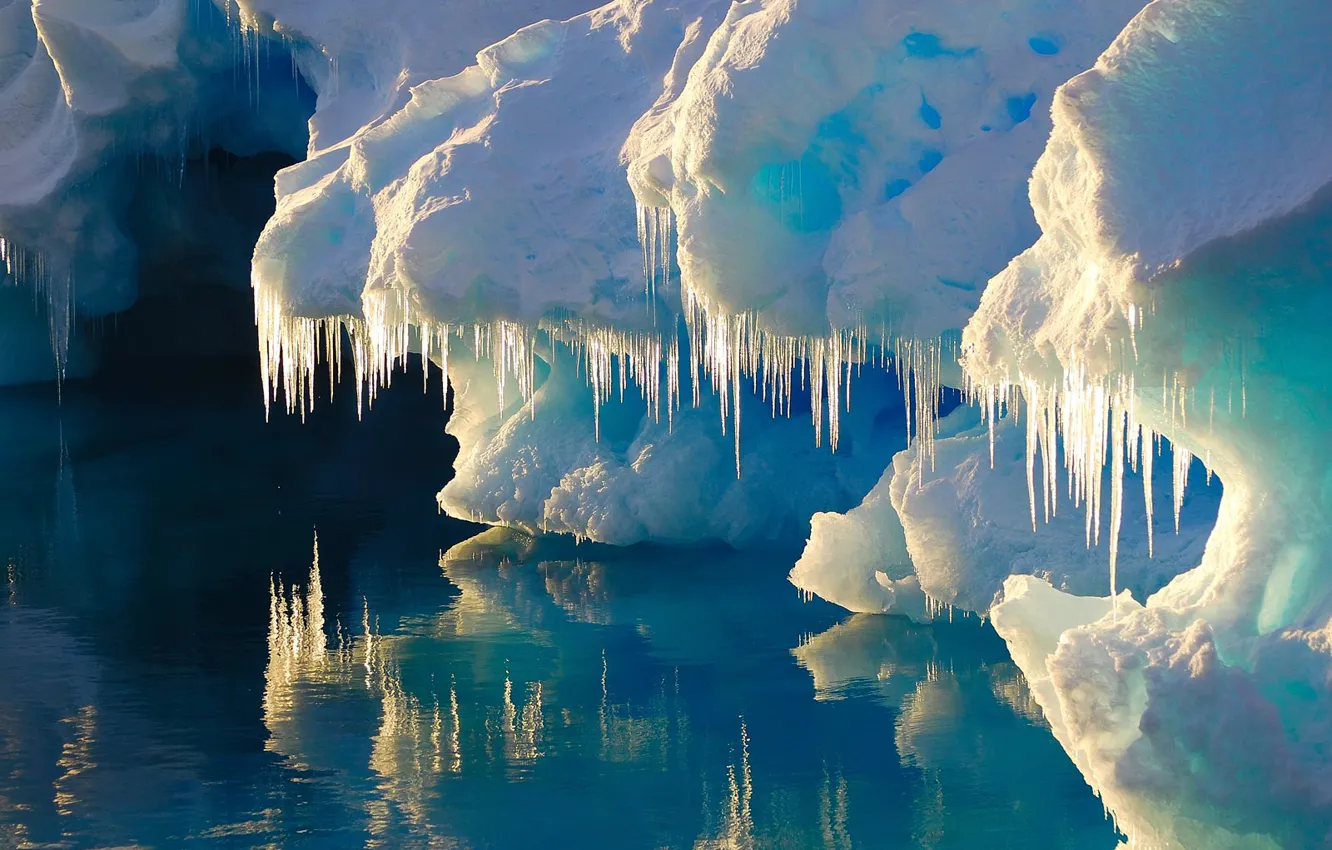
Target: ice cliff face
[(660, 248)]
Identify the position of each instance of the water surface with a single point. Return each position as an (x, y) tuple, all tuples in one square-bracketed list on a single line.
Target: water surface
[(181, 667)]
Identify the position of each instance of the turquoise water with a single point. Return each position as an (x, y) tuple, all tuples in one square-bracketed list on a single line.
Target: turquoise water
[(179, 669)]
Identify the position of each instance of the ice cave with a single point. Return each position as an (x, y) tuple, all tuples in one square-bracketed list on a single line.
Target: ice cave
[(817, 424)]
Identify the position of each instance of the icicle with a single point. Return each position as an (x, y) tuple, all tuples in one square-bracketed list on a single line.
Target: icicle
[(1147, 436), (1182, 460), (1118, 427), (1032, 440)]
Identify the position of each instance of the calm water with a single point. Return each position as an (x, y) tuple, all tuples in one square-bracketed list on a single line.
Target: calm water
[(178, 668)]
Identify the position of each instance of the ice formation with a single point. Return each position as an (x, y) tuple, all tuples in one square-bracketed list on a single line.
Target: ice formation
[(757, 247), (686, 228), (1179, 288), (646, 240), (94, 94), (967, 529)]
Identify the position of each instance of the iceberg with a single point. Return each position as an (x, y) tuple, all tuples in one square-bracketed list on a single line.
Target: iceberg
[(685, 229), (642, 242), (95, 95), (757, 247), (1179, 289)]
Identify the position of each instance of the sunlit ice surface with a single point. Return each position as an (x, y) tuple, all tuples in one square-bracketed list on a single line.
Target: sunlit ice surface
[(222, 633)]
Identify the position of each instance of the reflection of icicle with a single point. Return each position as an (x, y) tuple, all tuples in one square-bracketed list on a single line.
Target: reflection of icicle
[(628, 736), (833, 813), (413, 744), (76, 758), (297, 642), (522, 728), (736, 830)]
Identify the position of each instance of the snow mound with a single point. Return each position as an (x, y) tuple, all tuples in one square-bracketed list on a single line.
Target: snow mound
[(1179, 289)]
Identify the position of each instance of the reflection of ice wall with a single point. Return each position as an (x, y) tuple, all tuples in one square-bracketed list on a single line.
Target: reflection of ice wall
[(962, 718), (1185, 238)]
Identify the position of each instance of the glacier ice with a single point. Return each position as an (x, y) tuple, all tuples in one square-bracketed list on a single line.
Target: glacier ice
[(94, 94), (1180, 285), (646, 240)]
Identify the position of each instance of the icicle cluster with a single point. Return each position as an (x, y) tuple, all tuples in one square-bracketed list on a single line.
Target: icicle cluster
[(54, 286), (656, 231), (1095, 420), (919, 366), (728, 350), (641, 359)]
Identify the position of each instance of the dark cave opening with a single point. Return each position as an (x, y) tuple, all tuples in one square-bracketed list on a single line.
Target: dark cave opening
[(194, 315)]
